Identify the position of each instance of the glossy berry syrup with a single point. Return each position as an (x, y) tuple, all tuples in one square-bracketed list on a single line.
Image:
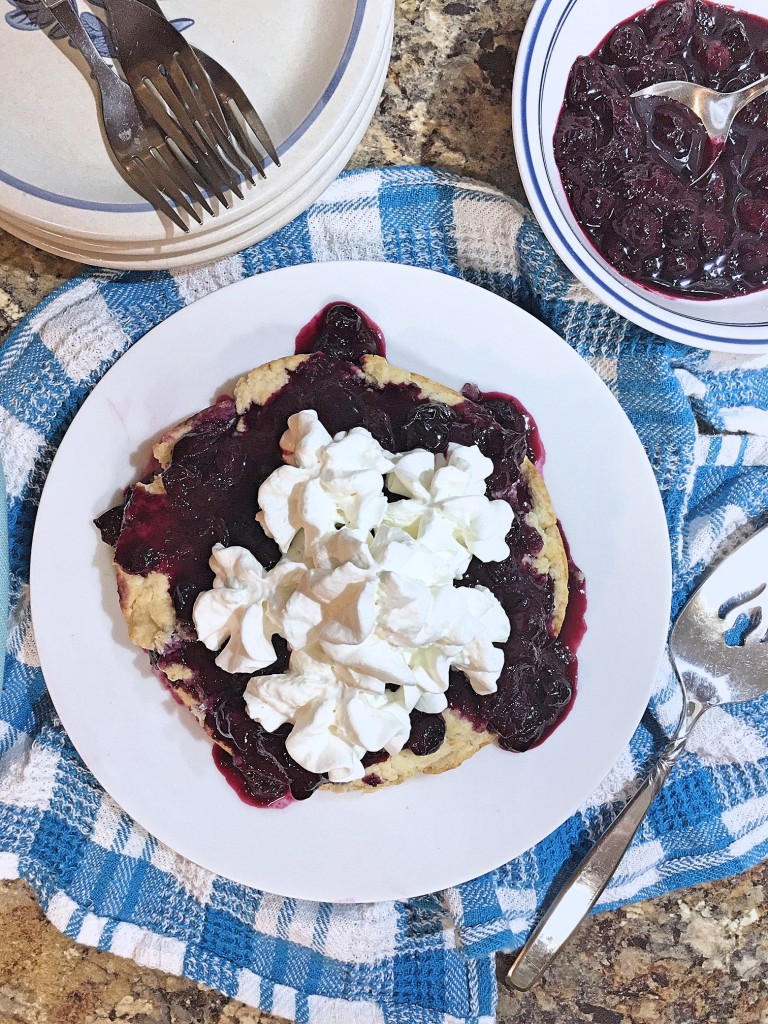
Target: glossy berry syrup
[(629, 166), (210, 496)]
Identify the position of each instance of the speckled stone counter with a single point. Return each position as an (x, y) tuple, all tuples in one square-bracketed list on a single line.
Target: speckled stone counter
[(695, 957)]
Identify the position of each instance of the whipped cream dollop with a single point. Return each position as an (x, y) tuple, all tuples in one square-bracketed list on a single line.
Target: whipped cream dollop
[(364, 593)]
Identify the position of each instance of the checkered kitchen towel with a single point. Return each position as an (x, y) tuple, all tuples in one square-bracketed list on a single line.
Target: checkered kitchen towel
[(703, 418)]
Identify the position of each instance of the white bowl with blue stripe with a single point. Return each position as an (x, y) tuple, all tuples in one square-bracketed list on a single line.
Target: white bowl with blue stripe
[(557, 32)]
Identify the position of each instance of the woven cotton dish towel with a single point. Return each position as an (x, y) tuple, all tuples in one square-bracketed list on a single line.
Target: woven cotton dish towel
[(703, 418)]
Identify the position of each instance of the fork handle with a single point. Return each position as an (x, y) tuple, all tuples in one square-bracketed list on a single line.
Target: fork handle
[(586, 884), (70, 21)]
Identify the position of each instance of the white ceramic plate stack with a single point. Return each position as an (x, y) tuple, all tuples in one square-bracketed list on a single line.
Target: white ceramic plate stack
[(313, 70)]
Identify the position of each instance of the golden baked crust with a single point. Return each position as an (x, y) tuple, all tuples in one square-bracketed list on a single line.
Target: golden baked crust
[(382, 373), (148, 609), (461, 741), (258, 386), (552, 560)]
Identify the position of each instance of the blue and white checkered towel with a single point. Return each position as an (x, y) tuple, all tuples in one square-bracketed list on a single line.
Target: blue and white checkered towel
[(703, 418)]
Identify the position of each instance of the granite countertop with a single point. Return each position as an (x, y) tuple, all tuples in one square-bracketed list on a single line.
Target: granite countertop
[(694, 956)]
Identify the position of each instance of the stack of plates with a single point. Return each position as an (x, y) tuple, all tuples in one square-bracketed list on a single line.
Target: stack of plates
[(313, 70)]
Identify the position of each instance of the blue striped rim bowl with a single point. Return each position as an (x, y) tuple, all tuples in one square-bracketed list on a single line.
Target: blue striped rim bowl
[(557, 32)]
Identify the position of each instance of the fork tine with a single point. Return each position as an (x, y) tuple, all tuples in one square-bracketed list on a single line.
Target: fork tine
[(210, 165), (153, 103), (189, 95), (162, 91), (143, 183), (186, 186), (234, 99), (234, 184), (205, 121), (233, 181), (193, 176), (241, 136), (168, 183), (187, 65), (235, 153), (205, 171), (214, 168), (228, 147), (234, 144), (257, 127), (201, 174)]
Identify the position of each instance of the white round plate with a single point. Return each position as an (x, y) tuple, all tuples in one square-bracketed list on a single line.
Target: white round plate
[(307, 66), (557, 32), (432, 831), (236, 235)]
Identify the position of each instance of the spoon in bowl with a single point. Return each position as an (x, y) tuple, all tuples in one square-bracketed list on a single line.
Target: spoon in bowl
[(715, 110)]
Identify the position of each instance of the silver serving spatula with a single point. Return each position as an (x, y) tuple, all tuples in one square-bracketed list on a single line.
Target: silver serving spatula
[(719, 648)]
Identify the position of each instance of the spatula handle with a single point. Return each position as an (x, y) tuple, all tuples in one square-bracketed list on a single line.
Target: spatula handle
[(586, 884)]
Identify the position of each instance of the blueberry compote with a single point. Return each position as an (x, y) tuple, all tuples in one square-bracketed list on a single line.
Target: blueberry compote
[(630, 166), (210, 495)]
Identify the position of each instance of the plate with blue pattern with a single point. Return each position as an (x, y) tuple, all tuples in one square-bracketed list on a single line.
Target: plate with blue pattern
[(308, 67)]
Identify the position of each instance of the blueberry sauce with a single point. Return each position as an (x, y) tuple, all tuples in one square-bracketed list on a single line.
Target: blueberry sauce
[(630, 166), (210, 496), (341, 330), (243, 786), (512, 414)]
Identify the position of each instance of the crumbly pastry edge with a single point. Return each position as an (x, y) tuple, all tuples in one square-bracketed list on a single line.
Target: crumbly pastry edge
[(148, 608)]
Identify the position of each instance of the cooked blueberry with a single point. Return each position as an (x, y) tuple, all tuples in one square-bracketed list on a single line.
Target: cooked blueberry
[(680, 266), (640, 227), (736, 39), (427, 733), (627, 44), (345, 334), (109, 524), (428, 426), (681, 229), (753, 214), (714, 187), (596, 205), (750, 259), (670, 23), (716, 57), (761, 56), (673, 127), (705, 17), (714, 232), (575, 134)]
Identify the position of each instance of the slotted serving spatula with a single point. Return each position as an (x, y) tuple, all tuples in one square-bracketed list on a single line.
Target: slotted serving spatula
[(719, 648)]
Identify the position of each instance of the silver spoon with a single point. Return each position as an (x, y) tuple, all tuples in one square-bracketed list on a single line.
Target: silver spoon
[(710, 672), (715, 110)]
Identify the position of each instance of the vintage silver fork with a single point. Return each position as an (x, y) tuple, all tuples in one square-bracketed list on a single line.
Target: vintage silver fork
[(719, 648), (141, 150), (235, 104), (171, 84)]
